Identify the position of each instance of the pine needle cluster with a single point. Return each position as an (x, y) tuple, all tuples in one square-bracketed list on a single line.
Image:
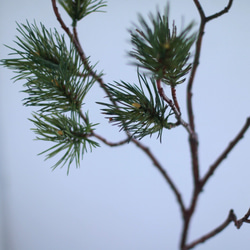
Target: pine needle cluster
[(78, 9), (56, 80), (138, 108), (68, 134), (161, 50)]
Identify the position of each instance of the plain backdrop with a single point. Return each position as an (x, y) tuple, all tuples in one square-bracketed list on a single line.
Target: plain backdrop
[(117, 200)]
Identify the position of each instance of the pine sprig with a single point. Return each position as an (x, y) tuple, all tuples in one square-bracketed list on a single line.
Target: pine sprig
[(68, 134), (78, 9), (140, 109), (56, 80), (160, 50)]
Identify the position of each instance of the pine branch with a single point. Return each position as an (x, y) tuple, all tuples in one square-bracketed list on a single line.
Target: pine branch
[(56, 82), (58, 79)]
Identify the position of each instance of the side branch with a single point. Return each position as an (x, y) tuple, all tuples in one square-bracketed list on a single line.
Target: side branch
[(176, 111), (224, 154), (58, 16), (163, 172), (226, 9), (173, 91), (231, 218), (238, 223), (111, 144)]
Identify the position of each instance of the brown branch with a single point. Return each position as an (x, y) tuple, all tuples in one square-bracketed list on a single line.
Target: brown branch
[(111, 144), (99, 137), (193, 142), (199, 8), (188, 215), (224, 11), (175, 110), (163, 172), (239, 223), (230, 218), (58, 16), (173, 92), (224, 154), (192, 75)]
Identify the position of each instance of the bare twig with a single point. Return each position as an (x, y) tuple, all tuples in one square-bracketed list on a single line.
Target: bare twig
[(175, 110), (230, 218), (224, 154), (239, 223), (99, 137), (163, 172), (111, 144), (173, 92), (199, 8), (226, 9), (58, 16), (217, 230)]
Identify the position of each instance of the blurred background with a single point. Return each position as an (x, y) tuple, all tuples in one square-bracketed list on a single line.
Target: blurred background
[(117, 199)]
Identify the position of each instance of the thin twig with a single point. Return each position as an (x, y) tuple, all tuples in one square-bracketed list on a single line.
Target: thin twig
[(111, 144), (199, 8), (226, 9), (99, 137), (224, 154), (173, 92), (164, 173), (239, 223), (58, 16), (175, 110), (230, 218)]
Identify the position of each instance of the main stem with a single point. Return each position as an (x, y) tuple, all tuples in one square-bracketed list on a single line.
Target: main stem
[(193, 142)]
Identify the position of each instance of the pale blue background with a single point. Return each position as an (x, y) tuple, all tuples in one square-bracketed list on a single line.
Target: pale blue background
[(117, 200)]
